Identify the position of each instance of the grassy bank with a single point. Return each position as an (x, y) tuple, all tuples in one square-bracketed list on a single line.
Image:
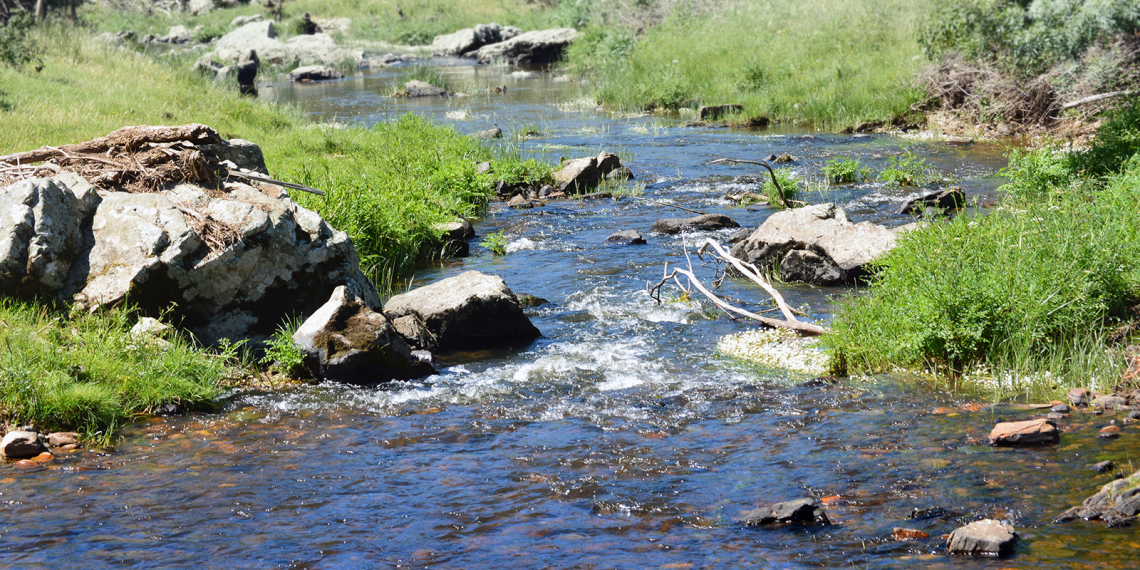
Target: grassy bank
[(87, 373), (1024, 298), (830, 64)]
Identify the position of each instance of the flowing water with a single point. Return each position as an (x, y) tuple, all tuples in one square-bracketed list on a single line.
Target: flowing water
[(619, 439)]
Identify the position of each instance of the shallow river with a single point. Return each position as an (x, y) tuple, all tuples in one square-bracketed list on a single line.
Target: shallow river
[(617, 440)]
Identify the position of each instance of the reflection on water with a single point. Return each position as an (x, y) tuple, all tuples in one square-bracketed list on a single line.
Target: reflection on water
[(617, 440)]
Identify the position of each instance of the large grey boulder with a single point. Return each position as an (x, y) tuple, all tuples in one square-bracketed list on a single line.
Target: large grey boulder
[(538, 47), (470, 310), (259, 36), (321, 49), (815, 244), (41, 234), (346, 341), (982, 538), (455, 44), (578, 176), (228, 264), (1117, 503)]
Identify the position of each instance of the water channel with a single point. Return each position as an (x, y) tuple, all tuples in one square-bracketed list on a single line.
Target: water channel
[(619, 439)]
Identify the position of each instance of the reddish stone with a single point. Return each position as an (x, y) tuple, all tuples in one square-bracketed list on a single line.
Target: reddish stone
[(1028, 432)]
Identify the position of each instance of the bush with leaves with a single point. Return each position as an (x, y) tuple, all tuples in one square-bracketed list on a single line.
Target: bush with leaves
[(16, 48)]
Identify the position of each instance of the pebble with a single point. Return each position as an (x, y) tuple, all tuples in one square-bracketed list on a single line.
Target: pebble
[(1056, 416), (909, 534), (1103, 466), (1110, 432), (1061, 409)]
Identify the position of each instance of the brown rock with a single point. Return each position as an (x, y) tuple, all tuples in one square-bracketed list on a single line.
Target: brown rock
[(1110, 402), (62, 438), (1079, 397), (982, 538), (519, 202), (20, 445), (909, 534), (578, 176), (1029, 432)]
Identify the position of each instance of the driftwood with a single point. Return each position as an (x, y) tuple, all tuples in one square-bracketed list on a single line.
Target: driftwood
[(126, 139), (697, 212), (748, 270), (1095, 98)]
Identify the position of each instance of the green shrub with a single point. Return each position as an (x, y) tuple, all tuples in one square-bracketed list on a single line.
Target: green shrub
[(789, 184), (281, 352), (845, 171), (908, 169), (496, 242), (16, 48)]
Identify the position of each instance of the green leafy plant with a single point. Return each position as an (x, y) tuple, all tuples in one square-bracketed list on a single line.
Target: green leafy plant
[(845, 171), (790, 186), (16, 48), (281, 353), (908, 169), (496, 242)]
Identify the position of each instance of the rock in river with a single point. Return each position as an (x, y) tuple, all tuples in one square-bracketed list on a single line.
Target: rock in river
[(531, 48), (982, 538), (314, 73), (804, 512), (416, 88), (815, 244), (1117, 503), (1029, 432), (347, 341), (20, 445), (470, 310), (627, 237), (705, 222)]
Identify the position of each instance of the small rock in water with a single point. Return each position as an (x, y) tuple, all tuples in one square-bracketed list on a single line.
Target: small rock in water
[(929, 513), (804, 512), (1110, 402), (627, 237), (1029, 432), (706, 222), (1133, 415), (1055, 416), (902, 534), (1110, 432), (20, 445), (528, 300), (492, 133), (1103, 466), (417, 88), (1061, 409), (520, 202), (60, 439), (982, 538), (1079, 397)]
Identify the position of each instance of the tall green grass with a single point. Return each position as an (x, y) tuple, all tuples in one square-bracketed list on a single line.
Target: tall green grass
[(827, 63), (86, 373), (1028, 292)]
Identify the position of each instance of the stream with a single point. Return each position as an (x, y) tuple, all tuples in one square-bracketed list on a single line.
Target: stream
[(619, 439)]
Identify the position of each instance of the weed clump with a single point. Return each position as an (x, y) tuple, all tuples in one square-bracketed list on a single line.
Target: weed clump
[(908, 169), (844, 170)]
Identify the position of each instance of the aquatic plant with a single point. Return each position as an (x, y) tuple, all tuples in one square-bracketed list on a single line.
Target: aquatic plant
[(844, 170), (908, 169), (496, 242), (789, 184)]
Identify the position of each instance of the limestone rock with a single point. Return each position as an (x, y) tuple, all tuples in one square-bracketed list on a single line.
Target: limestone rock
[(627, 237), (578, 176), (259, 36), (42, 232), (416, 88), (347, 341), (20, 445), (470, 310), (982, 538), (455, 44), (831, 249), (314, 73), (1029, 432), (803, 512), (1117, 503), (244, 154), (706, 222), (62, 438), (537, 47)]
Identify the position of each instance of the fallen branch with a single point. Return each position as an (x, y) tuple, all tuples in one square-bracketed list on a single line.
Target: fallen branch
[(259, 178), (1095, 98), (748, 270), (126, 139), (779, 191)]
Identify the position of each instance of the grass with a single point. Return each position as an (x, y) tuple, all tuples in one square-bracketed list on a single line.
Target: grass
[(86, 373), (826, 63), (1027, 294)]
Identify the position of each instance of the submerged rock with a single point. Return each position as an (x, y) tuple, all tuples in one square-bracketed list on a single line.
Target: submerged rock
[(802, 512), (815, 244), (627, 237), (705, 222), (416, 88), (1117, 503), (1029, 432), (470, 310), (982, 538), (347, 341)]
